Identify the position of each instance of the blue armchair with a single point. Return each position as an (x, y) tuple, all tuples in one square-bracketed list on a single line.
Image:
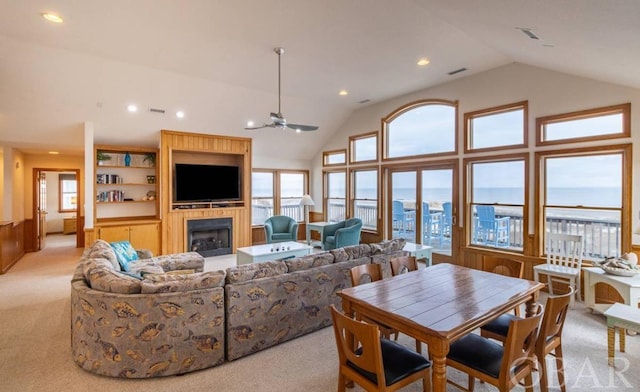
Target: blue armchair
[(280, 228), (342, 234)]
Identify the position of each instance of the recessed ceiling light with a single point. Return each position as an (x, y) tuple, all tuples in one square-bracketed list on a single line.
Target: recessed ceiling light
[(423, 61), (250, 123), (132, 108), (52, 17), (180, 114), (298, 130), (54, 152), (343, 92)]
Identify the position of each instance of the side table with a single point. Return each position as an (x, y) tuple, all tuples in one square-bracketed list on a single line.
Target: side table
[(628, 287), (419, 251), (622, 317), (319, 227)]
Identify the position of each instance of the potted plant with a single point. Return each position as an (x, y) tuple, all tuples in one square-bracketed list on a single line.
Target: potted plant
[(101, 157), (151, 158)]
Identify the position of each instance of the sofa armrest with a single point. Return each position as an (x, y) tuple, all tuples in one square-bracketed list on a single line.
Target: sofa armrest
[(330, 230)]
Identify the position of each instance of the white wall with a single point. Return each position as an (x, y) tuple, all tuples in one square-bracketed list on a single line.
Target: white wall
[(547, 93)]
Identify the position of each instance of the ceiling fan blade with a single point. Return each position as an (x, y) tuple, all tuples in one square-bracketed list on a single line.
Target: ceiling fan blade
[(304, 128), (260, 127)]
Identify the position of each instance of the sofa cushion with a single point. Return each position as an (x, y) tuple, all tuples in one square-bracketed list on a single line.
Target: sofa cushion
[(106, 279), (125, 253), (246, 272), (166, 283), (339, 255), (102, 249), (388, 246), (306, 262), (357, 251)]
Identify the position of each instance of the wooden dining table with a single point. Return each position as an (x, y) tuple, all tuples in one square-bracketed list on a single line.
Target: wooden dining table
[(439, 304)]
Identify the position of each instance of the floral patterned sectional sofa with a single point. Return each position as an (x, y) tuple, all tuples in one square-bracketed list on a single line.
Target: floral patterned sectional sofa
[(168, 323)]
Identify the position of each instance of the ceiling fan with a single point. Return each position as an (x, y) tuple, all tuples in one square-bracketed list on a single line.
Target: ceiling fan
[(278, 120)]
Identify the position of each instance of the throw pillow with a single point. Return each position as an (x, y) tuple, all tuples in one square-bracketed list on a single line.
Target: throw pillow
[(124, 253)]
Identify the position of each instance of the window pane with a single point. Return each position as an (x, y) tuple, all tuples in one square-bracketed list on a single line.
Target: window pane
[(262, 197), (427, 129), (291, 192), (499, 129), (262, 184), (365, 149), (335, 158), (594, 126), (591, 181), (366, 198), (336, 193), (403, 208), (498, 182), (437, 220), (600, 228)]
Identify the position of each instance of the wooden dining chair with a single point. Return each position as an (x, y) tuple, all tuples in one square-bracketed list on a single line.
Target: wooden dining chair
[(506, 267), (373, 363), (403, 264), (549, 339), (367, 273), (503, 366)]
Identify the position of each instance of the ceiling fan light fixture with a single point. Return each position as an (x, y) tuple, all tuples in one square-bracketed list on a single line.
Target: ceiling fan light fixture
[(51, 17)]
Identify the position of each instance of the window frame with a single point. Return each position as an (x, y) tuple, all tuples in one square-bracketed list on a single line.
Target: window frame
[(624, 109), (469, 201), (406, 108), (277, 196), (327, 154), (511, 107), (61, 192), (352, 193), (325, 192), (353, 140), (625, 150)]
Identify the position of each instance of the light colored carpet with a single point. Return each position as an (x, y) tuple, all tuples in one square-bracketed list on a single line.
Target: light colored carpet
[(35, 353)]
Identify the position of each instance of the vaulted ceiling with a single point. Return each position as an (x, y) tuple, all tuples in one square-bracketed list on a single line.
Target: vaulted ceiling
[(214, 60)]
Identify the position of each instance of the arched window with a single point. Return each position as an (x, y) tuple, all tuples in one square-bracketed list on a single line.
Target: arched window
[(421, 128)]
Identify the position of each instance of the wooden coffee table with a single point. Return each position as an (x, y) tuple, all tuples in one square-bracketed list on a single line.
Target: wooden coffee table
[(267, 252)]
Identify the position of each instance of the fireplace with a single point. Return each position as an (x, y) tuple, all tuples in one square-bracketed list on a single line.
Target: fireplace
[(209, 237)]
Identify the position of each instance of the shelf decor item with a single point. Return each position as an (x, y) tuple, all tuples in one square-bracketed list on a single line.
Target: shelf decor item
[(101, 157), (151, 179), (127, 159), (151, 158)]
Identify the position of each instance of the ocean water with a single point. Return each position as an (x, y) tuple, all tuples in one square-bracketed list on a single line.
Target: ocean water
[(587, 196)]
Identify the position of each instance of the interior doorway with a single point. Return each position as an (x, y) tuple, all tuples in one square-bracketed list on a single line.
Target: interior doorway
[(56, 206)]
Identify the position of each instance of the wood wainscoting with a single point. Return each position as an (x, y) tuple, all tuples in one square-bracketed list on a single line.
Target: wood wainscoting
[(11, 244)]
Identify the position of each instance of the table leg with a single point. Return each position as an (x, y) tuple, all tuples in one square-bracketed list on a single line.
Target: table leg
[(531, 305), (438, 353), (611, 342)]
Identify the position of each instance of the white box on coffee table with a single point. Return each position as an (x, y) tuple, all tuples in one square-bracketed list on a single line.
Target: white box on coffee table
[(267, 252)]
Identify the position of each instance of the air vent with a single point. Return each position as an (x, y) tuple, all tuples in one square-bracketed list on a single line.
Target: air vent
[(152, 110), (457, 71), (528, 33), (364, 101)]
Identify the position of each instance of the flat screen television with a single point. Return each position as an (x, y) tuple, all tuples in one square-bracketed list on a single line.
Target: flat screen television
[(206, 183)]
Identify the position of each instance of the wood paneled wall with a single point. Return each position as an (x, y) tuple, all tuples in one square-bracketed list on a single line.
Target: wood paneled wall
[(11, 244), (199, 148)]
